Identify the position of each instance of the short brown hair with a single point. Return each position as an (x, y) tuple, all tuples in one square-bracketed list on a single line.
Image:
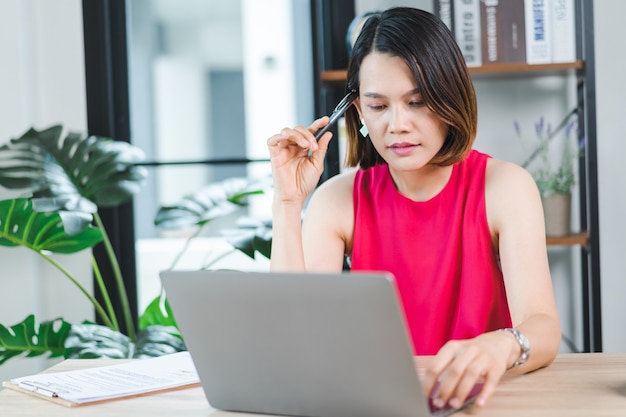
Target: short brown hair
[(430, 51)]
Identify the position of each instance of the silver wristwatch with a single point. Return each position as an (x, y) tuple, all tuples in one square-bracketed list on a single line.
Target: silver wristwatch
[(524, 344)]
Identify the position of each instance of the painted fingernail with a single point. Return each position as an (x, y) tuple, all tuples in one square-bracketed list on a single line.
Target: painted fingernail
[(455, 402), (439, 402)]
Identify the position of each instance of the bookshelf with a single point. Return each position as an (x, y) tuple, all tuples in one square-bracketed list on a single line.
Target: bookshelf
[(331, 64), (513, 69)]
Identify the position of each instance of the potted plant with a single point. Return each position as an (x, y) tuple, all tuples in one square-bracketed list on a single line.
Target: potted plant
[(554, 172), (68, 177)]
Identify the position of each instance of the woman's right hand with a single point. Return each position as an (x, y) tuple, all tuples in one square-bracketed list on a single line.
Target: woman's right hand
[(297, 160)]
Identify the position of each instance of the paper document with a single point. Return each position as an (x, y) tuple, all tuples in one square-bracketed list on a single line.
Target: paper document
[(132, 378)]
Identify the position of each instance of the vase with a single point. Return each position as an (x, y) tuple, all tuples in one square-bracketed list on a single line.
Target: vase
[(557, 210)]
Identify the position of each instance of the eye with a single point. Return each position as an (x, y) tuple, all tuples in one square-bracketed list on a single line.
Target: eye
[(416, 103), (377, 107)]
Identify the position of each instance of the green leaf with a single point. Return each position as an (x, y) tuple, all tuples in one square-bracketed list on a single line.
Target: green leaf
[(32, 339), (158, 341), (252, 236), (158, 312), (211, 202), (92, 341), (72, 173), (20, 225)]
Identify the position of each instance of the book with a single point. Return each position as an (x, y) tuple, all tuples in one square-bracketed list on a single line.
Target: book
[(444, 10), (467, 30), (104, 383), (502, 31), (538, 35), (490, 31), (563, 22), (512, 31)]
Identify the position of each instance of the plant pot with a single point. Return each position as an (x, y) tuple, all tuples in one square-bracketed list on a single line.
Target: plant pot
[(557, 209)]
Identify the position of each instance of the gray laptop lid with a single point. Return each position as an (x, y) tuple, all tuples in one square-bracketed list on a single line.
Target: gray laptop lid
[(297, 344)]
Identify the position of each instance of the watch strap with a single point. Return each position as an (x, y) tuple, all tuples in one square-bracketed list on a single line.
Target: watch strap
[(523, 343)]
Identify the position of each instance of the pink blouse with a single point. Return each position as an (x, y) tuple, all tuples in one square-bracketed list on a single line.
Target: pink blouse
[(440, 252)]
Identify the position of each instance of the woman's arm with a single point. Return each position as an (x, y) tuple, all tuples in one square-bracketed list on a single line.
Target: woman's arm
[(319, 243), (297, 161), (328, 224), (515, 218)]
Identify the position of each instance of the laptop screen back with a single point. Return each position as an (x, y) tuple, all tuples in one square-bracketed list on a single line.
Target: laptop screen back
[(297, 344)]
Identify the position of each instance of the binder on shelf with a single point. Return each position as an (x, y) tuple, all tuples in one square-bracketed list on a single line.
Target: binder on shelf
[(467, 30), (444, 10), (538, 31), (512, 31), (563, 24), (490, 27), (502, 31)]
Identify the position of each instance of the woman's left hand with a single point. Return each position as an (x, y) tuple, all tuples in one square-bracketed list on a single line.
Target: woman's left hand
[(461, 364)]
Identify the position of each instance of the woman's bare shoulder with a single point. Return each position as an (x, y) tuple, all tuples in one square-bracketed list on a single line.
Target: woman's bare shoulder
[(507, 176), (339, 186), (511, 194), (329, 220), (333, 196)]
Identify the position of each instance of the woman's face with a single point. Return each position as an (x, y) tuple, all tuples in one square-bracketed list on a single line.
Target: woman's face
[(404, 131)]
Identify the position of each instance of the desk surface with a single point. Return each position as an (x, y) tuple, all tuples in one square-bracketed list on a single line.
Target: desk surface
[(583, 384)]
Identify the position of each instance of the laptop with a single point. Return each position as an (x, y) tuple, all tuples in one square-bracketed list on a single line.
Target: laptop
[(298, 344)]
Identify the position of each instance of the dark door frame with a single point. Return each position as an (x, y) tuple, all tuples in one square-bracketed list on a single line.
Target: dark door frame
[(108, 114)]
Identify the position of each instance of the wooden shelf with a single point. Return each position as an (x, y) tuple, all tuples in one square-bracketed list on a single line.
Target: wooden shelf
[(581, 239), (526, 69), (336, 76), (333, 76)]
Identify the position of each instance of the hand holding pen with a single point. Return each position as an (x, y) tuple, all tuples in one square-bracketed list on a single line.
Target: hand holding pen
[(298, 159), (338, 112)]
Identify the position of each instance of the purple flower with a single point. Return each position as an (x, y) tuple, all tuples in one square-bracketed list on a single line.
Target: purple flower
[(572, 125), (539, 126)]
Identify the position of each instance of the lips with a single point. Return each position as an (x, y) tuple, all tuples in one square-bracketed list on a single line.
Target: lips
[(403, 148)]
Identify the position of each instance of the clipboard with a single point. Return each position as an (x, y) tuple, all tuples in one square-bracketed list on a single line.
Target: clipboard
[(95, 385)]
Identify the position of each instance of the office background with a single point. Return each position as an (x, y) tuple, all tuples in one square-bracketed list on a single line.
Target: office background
[(42, 83)]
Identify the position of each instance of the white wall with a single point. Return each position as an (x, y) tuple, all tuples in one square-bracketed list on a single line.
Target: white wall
[(611, 100), (42, 83)]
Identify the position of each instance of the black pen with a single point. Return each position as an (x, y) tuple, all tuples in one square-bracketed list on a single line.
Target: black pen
[(339, 110)]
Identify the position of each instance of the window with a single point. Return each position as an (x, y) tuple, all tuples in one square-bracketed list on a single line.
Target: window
[(192, 82)]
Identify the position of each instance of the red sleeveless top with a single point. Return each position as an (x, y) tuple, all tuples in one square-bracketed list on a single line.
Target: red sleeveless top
[(440, 252)]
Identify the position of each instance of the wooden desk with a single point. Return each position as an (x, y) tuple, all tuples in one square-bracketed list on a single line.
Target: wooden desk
[(577, 384)]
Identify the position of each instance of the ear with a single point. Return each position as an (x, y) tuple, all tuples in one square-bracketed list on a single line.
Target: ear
[(357, 104)]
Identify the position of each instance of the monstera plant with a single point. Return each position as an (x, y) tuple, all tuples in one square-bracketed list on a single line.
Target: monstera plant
[(67, 177), (194, 212)]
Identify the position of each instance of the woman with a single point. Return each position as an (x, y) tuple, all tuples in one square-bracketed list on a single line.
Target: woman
[(462, 233)]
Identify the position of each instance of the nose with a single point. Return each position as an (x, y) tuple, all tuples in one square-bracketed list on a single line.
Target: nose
[(399, 119)]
